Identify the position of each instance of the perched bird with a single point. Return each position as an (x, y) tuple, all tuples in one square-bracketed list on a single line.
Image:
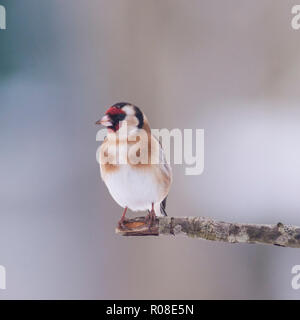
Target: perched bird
[(136, 172)]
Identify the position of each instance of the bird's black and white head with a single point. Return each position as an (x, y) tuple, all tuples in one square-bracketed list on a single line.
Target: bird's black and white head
[(121, 113)]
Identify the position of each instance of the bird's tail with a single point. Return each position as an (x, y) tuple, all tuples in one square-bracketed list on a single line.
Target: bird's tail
[(160, 208), (163, 205)]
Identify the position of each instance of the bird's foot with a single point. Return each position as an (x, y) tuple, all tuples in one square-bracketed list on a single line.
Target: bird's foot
[(122, 224), (150, 219)]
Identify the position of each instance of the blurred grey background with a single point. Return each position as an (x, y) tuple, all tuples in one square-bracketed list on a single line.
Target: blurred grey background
[(230, 67)]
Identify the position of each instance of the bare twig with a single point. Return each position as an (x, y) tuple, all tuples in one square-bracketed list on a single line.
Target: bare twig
[(209, 229)]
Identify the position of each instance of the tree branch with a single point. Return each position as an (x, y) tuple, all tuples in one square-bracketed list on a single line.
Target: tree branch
[(209, 229)]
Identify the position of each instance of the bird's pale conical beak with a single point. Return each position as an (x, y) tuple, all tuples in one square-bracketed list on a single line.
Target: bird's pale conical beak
[(105, 121)]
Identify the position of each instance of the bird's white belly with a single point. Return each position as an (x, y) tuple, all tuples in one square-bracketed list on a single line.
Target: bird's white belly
[(132, 188)]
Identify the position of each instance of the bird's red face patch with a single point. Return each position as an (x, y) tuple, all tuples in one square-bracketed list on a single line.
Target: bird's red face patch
[(114, 110), (115, 115)]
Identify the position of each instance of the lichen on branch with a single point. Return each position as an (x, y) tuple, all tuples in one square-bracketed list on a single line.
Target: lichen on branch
[(210, 229)]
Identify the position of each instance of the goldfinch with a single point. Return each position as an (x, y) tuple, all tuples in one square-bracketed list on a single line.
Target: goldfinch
[(132, 162)]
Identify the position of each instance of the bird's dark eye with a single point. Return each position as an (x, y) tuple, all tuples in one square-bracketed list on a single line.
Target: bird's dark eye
[(121, 116), (117, 117)]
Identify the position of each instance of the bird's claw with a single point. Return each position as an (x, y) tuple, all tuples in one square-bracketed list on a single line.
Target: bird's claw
[(150, 219), (122, 224)]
